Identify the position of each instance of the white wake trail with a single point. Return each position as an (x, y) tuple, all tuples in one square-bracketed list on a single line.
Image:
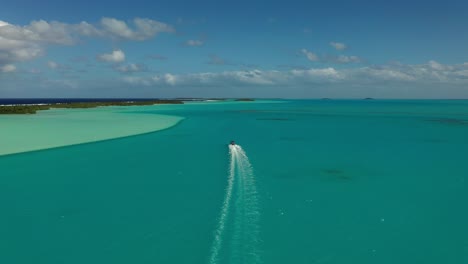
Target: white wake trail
[(224, 210), (246, 230), (239, 212)]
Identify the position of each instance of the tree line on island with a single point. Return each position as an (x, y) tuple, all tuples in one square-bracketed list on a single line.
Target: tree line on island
[(32, 109)]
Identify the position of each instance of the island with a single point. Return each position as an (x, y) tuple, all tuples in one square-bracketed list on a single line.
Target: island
[(193, 99), (244, 99), (32, 109)]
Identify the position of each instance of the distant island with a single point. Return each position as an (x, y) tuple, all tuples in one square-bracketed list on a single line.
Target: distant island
[(244, 99), (193, 99), (32, 109)]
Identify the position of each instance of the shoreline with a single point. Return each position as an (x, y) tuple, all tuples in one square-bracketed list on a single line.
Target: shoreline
[(33, 108), (67, 127)]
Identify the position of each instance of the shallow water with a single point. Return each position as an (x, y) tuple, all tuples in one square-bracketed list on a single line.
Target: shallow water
[(335, 182), (65, 127)]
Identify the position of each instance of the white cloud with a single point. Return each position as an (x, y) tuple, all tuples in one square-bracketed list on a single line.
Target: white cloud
[(22, 43), (52, 65), (366, 74), (386, 75), (325, 74), (14, 48), (170, 79), (8, 67), (20, 54), (131, 68), (59, 67), (142, 29), (437, 66), (333, 59), (348, 59), (194, 43), (86, 29), (116, 28), (250, 77), (310, 55), (115, 56), (395, 80), (39, 31), (338, 46)]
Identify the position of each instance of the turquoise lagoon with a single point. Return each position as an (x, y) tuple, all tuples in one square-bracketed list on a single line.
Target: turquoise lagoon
[(322, 181)]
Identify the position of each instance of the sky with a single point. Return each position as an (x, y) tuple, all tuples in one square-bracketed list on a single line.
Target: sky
[(261, 49)]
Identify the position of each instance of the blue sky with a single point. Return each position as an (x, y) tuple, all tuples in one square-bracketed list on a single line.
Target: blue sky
[(290, 49)]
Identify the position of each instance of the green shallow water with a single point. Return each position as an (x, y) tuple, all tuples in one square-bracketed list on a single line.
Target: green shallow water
[(64, 127), (336, 181)]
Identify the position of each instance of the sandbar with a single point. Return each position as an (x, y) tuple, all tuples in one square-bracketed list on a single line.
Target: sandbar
[(63, 127)]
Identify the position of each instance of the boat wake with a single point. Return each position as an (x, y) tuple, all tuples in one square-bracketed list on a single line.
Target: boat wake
[(236, 236)]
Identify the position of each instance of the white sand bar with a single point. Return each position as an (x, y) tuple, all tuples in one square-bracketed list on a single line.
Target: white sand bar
[(64, 127)]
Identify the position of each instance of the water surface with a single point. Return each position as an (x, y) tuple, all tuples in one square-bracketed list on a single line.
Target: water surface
[(335, 182)]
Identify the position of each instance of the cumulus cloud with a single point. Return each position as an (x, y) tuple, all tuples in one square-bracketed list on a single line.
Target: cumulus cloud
[(21, 43), (194, 43), (14, 48), (115, 56), (324, 74), (439, 67), (338, 46), (344, 59), (396, 80), (310, 55), (141, 28), (62, 68), (421, 74), (131, 68), (52, 65), (248, 77), (38, 32), (8, 68)]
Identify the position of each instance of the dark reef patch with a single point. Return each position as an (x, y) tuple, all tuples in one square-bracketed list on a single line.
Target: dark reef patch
[(336, 174), (275, 119), (332, 171), (292, 138), (434, 140), (449, 121)]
